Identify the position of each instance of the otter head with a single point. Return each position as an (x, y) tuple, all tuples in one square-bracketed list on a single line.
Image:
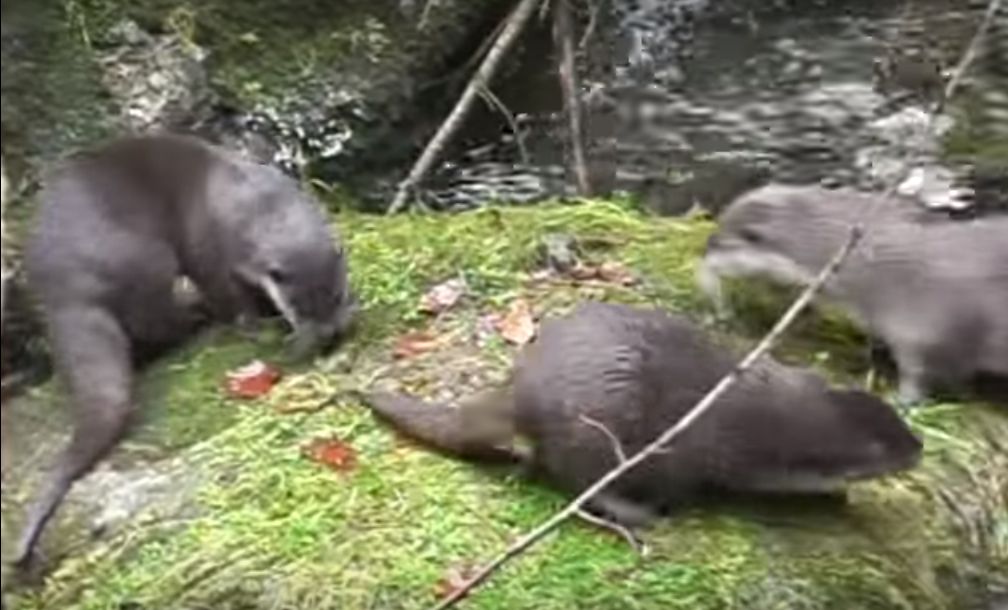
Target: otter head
[(783, 233), (818, 440), (301, 267)]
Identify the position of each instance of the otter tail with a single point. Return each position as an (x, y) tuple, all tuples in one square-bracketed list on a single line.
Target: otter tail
[(480, 429)]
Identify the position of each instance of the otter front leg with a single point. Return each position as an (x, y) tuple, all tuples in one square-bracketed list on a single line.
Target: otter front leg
[(93, 354), (912, 376)]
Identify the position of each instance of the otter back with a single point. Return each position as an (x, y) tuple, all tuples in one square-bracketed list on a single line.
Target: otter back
[(607, 379), (932, 289)]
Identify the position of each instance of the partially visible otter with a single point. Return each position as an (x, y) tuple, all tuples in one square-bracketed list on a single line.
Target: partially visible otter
[(609, 372), (4, 275), (118, 226), (934, 290)]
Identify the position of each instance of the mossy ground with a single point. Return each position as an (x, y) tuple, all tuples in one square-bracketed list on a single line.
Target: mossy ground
[(271, 529)]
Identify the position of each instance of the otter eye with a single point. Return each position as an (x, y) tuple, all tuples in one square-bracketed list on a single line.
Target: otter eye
[(751, 235), (277, 275)]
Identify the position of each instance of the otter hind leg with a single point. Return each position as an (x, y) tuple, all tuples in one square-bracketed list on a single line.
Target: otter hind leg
[(93, 355)]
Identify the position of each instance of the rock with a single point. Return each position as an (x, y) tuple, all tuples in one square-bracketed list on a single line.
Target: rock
[(559, 252), (158, 82)]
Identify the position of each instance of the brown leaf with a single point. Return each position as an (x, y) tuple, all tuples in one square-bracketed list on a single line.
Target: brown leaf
[(609, 272), (333, 453), (616, 273), (583, 273), (442, 297), (253, 380), (453, 580), (517, 326), (416, 343)]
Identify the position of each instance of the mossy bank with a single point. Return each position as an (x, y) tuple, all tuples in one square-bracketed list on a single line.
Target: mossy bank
[(243, 520)]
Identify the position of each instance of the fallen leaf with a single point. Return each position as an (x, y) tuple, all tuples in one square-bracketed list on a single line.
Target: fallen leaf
[(584, 272), (609, 272), (443, 297), (416, 343), (333, 453), (517, 326), (616, 273), (453, 580), (253, 380)]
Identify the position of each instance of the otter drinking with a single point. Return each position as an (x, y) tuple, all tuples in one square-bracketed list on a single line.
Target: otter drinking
[(934, 290), (118, 226), (608, 374)]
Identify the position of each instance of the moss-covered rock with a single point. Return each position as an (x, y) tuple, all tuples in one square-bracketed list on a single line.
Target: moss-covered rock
[(324, 79), (256, 525)]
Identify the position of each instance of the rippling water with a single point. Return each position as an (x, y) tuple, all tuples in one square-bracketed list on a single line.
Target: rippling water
[(689, 103)]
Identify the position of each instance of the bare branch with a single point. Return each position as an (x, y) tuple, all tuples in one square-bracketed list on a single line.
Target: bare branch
[(594, 7), (563, 37), (496, 103), (969, 56), (515, 24), (857, 232), (617, 445)]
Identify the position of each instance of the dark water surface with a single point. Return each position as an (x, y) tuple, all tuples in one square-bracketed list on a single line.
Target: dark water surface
[(691, 102)]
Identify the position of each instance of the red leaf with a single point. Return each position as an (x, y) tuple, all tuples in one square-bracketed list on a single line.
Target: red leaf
[(416, 343), (253, 380), (453, 580), (443, 297), (517, 326), (333, 453)]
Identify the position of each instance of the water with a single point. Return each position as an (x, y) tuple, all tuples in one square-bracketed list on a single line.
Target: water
[(687, 104)]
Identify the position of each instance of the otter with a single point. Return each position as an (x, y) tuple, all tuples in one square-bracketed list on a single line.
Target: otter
[(933, 290), (4, 274), (118, 226), (607, 379)]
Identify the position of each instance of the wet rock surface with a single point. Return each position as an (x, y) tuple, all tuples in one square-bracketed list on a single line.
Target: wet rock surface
[(794, 91)]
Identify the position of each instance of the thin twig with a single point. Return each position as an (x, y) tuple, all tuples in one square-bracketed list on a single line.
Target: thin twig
[(635, 543), (497, 104), (515, 24), (857, 232), (617, 445), (969, 56), (594, 7), (563, 37)]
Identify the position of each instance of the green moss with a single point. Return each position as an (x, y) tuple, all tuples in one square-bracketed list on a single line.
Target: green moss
[(274, 530), (53, 98), (974, 139)]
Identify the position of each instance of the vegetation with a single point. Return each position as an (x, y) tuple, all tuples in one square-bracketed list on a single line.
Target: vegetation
[(264, 527)]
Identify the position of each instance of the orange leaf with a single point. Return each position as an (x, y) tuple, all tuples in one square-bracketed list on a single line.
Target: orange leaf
[(442, 297), (616, 273), (583, 273), (517, 326), (453, 580), (416, 343), (333, 453), (253, 380)]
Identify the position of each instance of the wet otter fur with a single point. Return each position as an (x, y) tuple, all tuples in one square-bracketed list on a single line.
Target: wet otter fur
[(117, 227), (631, 373), (934, 290)]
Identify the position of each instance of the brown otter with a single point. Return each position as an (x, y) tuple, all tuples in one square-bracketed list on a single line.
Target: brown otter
[(608, 378), (934, 290), (117, 226)]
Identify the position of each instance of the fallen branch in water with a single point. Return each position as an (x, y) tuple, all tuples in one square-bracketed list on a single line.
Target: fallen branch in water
[(563, 40), (515, 25), (576, 507)]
